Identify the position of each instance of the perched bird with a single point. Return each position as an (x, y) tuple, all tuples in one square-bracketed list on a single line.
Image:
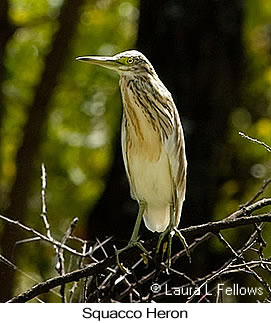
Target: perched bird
[(153, 146)]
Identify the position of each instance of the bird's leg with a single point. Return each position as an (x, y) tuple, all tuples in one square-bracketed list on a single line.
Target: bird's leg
[(171, 230), (133, 240)]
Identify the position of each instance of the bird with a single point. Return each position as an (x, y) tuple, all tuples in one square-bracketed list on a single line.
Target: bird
[(153, 147)]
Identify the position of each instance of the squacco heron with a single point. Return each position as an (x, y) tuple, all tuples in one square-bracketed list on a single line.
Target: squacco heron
[(153, 147)]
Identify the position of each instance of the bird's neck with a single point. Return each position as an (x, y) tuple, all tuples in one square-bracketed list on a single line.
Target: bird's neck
[(134, 93), (140, 124)]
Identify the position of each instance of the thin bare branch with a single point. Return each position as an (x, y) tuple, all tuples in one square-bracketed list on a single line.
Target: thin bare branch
[(76, 275), (41, 236), (226, 224), (259, 193), (256, 141)]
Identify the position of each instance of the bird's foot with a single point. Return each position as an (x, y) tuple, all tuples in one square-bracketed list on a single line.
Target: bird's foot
[(167, 246), (183, 241), (131, 244)]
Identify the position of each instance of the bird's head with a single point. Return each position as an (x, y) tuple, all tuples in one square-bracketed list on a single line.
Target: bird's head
[(125, 63)]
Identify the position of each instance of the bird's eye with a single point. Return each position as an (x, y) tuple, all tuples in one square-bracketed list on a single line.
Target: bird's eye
[(130, 60)]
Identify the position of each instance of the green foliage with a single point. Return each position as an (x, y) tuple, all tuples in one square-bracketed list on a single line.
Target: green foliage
[(85, 111), (246, 164)]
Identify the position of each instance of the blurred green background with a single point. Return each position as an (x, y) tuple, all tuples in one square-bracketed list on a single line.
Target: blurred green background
[(77, 130)]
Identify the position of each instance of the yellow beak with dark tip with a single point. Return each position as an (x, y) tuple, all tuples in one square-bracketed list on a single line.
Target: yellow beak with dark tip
[(104, 61)]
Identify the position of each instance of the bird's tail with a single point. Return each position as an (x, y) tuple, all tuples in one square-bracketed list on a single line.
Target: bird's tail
[(157, 219)]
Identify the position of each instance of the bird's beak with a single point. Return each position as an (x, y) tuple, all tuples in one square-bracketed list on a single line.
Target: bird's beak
[(107, 62)]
